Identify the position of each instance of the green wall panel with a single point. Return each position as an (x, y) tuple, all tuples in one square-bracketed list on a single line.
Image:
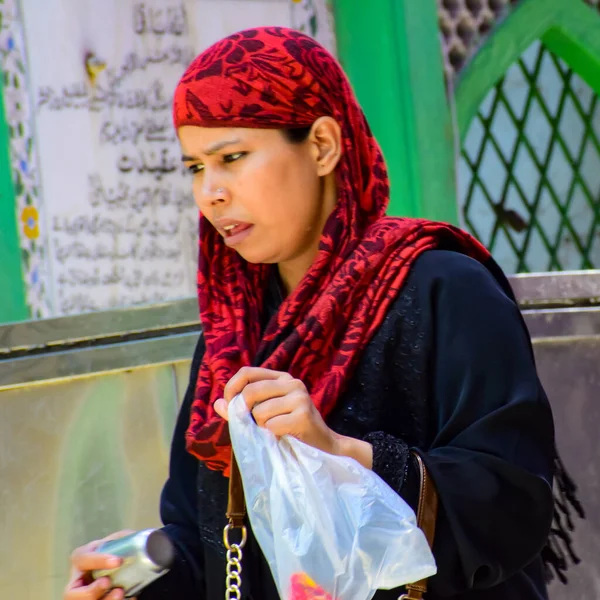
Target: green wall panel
[(392, 54)]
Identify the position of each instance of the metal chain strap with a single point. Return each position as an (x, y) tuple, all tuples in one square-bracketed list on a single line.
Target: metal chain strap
[(233, 581)]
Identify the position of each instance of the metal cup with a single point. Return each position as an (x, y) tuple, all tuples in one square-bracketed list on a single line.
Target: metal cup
[(146, 555)]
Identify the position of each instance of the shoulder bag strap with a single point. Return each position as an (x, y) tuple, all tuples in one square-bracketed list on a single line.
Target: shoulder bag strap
[(426, 519), (236, 506), (236, 515)]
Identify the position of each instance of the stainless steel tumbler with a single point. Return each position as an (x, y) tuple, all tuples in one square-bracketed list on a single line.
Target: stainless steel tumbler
[(147, 555)]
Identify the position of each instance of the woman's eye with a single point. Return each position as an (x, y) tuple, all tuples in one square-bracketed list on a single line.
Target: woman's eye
[(233, 157), (193, 169)]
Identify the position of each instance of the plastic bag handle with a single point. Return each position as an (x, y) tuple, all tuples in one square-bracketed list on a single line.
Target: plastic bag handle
[(426, 519)]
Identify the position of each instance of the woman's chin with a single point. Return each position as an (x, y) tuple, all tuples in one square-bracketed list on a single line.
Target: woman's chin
[(256, 258)]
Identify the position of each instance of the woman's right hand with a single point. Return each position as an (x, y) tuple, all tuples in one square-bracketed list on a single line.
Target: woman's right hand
[(83, 561)]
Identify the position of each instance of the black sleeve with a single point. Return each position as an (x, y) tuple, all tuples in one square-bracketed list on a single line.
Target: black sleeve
[(178, 510), (492, 448)]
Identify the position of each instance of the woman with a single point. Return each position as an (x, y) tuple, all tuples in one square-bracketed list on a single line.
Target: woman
[(362, 335)]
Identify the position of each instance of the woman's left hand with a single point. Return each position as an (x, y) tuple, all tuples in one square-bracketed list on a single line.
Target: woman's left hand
[(282, 405)]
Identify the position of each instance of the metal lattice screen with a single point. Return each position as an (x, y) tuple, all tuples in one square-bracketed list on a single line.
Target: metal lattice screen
[(464, 24), (529, 174)]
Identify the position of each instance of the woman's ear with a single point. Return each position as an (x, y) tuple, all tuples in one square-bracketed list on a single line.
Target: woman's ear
[(326, 140)]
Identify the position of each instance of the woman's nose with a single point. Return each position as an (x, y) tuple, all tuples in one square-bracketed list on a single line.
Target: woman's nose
[(213, 195), (218, 196)]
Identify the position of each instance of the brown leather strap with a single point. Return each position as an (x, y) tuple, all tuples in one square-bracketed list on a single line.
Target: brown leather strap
[(236, 506), (426, 518)]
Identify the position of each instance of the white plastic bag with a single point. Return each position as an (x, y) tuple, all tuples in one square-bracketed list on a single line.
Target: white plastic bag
[(329, 528)]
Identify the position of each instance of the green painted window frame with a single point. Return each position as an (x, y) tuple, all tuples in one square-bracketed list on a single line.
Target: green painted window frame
[(569, 28), (13, 305), (392, 53)]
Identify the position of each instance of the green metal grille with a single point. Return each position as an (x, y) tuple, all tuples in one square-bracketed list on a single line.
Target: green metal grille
[(529, 175)]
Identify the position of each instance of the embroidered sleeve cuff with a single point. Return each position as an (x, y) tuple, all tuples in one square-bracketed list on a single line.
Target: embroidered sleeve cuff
[(390, 458), (393, 462)]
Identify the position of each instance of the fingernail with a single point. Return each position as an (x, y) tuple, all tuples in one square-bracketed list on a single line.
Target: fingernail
[(113, 562)]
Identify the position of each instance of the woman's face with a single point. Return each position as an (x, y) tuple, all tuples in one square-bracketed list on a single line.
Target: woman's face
[(264, 194)]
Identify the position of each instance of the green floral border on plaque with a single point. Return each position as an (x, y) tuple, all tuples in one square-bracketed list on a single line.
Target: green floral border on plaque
[(19, 117)]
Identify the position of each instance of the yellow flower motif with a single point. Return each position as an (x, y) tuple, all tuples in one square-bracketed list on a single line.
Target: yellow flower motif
[(30, 217), (94, 66)]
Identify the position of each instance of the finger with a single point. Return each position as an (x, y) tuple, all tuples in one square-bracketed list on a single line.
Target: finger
[(260, 391), (76, 581), (79, 579), (94, 591), (116, 594), (274, 407), (288, 424), (91, 561), (220, 407), (91, 547), (248, 375)]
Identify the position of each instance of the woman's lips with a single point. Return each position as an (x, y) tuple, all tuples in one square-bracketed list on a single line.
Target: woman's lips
[(232, 230), (237, 234)]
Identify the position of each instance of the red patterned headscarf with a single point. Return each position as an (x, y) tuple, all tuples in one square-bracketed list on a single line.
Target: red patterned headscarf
[(279, 78)]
